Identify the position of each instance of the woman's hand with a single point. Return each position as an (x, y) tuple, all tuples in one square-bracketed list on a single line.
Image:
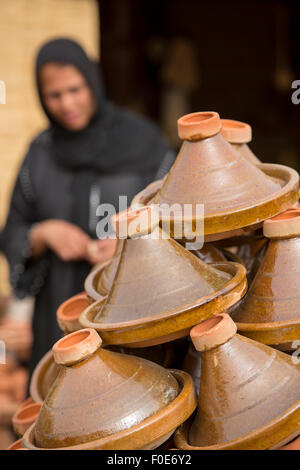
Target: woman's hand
[(68, 241), (100, 251)]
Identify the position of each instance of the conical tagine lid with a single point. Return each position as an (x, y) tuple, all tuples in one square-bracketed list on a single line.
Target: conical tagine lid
[(250, 393), (271, 309), (208, 171), (99, 394), (158, 278), (239, 134)]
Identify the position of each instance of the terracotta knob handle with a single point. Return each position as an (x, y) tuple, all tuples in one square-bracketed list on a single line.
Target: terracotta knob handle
[(236, 132), (284, 225), (68, 312), (213, 332), (135, 222), (197, 126), (76, 346)]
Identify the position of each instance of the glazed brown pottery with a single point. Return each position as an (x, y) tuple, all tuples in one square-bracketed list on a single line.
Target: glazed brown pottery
[(239, 134), (192, 365), (43, 377), (100, 280), (25, 417), (160, 291), (234, 192), (105, 400), (270, 312), (69, 312), (250, 393)]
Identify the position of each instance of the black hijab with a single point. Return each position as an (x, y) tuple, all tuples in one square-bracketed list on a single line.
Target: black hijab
[(100, 146)]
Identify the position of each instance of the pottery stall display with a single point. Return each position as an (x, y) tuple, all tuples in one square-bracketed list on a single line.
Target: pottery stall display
[(160, 291), (270, 312), (148, 338), (106, 400), (239, 134), (249, 393), (235, 193)]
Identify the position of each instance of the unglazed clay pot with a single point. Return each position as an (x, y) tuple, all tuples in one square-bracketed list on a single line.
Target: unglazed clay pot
[(43, 377), (294, 445), (25, 417), (69, 312), (235, 193), (270, 312), (17, 445), (105, 400), (250, 393), (239, 134), (160, 291)]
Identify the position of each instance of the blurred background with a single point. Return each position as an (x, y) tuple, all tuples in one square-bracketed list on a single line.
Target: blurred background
[(162, 59)]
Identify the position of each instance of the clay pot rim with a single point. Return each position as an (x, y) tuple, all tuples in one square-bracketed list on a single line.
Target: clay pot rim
[(181, 434), (76, 346), (237, 271), (38, 375), (287, 177), (19, 420), (147, 193), (178, 410), (199, 125), (278, 333), (17, 444), (129, 215), (284, 225), (91, 279), (67, 322), (236, 132), (213, 332)]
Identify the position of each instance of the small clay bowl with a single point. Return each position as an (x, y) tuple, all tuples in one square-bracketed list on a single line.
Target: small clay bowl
[(24, 417), (69, 312)]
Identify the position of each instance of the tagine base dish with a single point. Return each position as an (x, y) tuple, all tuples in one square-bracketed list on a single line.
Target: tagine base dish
[(150, 433), (216, 225), (174, 324)]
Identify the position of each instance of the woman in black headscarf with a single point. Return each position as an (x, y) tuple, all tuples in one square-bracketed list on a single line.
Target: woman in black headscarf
[(91, 153)]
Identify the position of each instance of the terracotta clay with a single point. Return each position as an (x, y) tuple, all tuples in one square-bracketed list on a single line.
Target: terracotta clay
[(25, 417), (270, 312), (294, 445), (17, 445), (250, 393), (235, 193), (239, 134), (160, 291), (69, 312), (107, 400)]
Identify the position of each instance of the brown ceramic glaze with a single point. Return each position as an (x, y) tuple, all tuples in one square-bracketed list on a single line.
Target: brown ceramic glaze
[(100, 280), (43, 377), (109, 400), (25, 417), (235, 193), (250, 393), (270, 312), (239, 134), (192, 365), (69, 312), (160, 291)]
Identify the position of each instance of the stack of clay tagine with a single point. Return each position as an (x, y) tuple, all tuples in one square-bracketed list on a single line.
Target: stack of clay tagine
[(150, 357)]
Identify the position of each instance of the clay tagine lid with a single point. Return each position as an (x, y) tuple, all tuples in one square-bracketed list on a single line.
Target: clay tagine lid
[(25, 417), (160, 283), (250, 393), (239, 134), (270, 312), (208, 171), (43, 377), (105, 400)]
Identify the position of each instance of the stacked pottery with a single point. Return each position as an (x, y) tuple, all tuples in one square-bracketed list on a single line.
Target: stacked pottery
[(270, 312), (249, 392), (144, 303), (106, 400)]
